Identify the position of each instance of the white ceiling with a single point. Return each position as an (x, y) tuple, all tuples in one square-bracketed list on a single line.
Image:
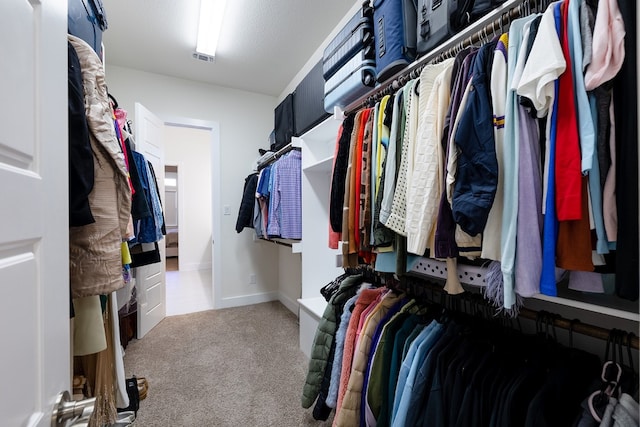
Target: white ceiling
[(263, 43)]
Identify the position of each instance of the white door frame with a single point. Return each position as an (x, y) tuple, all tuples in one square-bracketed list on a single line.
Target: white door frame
[(214, 128)]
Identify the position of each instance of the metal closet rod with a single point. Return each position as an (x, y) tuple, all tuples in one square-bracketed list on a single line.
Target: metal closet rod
[(495, 21), (577, 326), (560, 322), (278, 154)]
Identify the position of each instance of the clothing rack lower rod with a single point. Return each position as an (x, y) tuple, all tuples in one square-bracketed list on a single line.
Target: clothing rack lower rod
[(576, 326), (558, 321)]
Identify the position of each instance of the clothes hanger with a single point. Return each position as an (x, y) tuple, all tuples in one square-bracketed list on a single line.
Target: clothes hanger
[(114, 101), (572, 323), (610, 376)]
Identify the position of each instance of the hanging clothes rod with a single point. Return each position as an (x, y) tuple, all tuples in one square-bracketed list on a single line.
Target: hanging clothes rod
[(577, 326), (275, 156), (493, 23), (526, 313)]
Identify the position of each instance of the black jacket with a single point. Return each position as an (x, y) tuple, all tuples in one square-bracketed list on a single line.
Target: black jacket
[(339, 175), (81, 174), (477, 177), (245, 215)]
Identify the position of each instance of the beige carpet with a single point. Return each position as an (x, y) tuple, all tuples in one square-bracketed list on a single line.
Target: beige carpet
[(232, 367)]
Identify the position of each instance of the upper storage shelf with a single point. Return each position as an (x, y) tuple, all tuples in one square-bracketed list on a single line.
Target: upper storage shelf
[(318, 144)]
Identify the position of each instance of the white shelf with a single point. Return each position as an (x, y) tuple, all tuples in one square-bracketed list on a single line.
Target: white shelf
[(318, 148), (296, 245), (622, 314), (323, 132), (314, 306), (323, 165)]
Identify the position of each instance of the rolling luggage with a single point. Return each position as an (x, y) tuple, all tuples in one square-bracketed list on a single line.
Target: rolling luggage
[(352, 81), (352, 65), (394, 22), (354, 37), (308, 102), (86, 19), (437, 20), (434, 22)]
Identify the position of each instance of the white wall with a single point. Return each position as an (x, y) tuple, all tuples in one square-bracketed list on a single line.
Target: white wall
[(290, 278), (291, 264), (245, 120), (189, 148), (317, 55)]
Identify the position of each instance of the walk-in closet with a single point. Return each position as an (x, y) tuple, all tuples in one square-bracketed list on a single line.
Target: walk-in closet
[(338, 213)]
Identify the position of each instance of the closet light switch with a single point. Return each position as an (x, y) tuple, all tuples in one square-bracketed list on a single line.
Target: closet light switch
[(226, 210)]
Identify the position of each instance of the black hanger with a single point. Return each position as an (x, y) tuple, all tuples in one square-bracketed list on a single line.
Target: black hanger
[(113, 101), (572, 323)]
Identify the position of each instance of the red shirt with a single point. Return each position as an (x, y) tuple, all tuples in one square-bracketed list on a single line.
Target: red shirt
[(568, 169)]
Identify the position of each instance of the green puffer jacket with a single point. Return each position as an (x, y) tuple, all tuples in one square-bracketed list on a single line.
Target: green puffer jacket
[(325, 334)]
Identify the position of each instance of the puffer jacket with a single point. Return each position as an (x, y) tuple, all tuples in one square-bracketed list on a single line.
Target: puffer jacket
[(477, 176), (323, 340), (95, 262), (349, 413)]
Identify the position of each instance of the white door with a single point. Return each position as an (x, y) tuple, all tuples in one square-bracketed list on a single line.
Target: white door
[(34, 228), (150, 279)]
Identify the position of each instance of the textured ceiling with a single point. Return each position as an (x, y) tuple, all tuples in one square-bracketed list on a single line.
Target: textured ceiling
[(263, 43)]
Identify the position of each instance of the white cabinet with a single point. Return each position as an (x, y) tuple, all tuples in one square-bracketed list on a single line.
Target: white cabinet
[(319, 262)]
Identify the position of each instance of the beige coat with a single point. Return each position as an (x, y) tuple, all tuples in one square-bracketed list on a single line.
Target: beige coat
[(95, 263)]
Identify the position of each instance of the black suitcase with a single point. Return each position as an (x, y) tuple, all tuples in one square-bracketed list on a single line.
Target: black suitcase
[(86, 19), (355, 36), (352, 81), (284, 124), (308, 102)]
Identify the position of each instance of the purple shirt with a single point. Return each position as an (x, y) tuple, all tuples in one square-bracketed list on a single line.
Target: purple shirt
[(285, 203), (528, 262)]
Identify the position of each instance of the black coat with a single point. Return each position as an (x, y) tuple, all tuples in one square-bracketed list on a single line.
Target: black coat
[(245, 214), (81, 174)]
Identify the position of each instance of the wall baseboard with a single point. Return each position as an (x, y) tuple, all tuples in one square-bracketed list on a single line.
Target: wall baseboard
[(290, 303), (193, 266), (248, 299)]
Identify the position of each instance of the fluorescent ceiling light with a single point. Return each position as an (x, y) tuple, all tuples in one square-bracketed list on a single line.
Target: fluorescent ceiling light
[(211, 13)]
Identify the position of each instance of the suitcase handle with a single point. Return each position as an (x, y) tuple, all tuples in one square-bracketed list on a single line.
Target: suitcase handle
[(425, 29), (425, 25)]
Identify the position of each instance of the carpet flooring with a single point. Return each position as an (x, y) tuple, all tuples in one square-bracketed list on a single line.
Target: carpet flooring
[(231, 367)]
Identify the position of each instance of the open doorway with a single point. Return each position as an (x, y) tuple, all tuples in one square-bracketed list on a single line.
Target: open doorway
[(188, 217), (171, 198)]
